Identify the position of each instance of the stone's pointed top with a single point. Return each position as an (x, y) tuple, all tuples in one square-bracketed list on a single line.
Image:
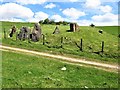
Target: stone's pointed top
[(56, 31), (37, 24), (37, 27), (14, 26), (13, 30), (37, 32), (56, 26)]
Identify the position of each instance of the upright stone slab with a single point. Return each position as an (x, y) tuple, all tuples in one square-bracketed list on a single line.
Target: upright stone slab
[(36, 33), (73, 27), (56, 31), (24, 33)]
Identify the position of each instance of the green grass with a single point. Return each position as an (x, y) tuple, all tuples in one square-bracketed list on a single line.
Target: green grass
[(24, 71), (91, 42), (110, 29), (8, 25)]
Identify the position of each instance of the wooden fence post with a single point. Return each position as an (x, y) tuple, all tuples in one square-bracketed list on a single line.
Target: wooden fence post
[(43, 39), (28, 37), (4, 34), (102, 46), (62, 42), (81, 45), (16, 36)]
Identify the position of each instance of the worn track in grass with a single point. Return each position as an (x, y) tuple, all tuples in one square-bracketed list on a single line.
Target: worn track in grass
[(108, 67)]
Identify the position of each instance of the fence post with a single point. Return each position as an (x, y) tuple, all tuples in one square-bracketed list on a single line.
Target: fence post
[(28, 37), (102, 46), (43, 39), (16, 36), (4, 34), (81, 47), (61, 42)]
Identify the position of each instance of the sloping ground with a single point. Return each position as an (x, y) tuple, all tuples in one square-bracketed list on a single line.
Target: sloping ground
[(74, 60), (21, 70), (91, 37), (110, 29)]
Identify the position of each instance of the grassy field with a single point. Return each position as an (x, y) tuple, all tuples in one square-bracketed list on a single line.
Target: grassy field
[(110, 29), (91, 42), (24, 71)]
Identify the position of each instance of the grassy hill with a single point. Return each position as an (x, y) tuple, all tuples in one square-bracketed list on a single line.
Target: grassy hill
[(20, 70), (92, 40), (110, 29)]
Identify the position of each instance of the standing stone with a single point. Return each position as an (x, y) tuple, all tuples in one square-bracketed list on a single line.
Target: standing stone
[(36, 33), (56, 31), (73, 27), (12, 31), (4, 33), (24, 33)]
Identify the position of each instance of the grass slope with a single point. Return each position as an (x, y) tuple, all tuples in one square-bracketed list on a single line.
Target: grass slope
[(23, 71), (110, 29), (91, 42)]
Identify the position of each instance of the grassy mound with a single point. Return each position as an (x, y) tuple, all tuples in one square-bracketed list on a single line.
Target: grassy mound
[(91, 37)]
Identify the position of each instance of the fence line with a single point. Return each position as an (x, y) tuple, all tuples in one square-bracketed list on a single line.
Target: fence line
[(80, 46)]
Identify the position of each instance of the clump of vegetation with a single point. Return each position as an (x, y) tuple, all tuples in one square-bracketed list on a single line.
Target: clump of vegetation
[(48, 21), (92, 25)]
